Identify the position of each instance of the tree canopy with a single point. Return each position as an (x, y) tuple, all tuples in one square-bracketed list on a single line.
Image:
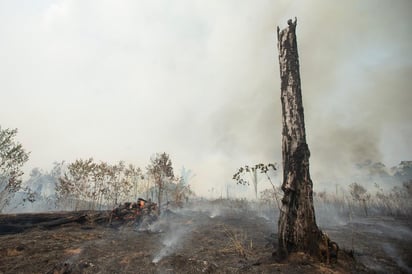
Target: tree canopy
[(12, 158)]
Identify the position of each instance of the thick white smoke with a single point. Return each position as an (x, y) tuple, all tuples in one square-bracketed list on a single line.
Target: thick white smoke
[(199, 80)]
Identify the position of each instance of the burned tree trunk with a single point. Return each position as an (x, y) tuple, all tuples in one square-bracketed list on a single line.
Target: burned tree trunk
[(297, 225)]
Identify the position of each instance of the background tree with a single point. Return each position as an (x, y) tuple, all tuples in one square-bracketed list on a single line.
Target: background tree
[(117, 185), (161, 170), (123, 182), (180, 191), (74, 189), (183, 190), (90, 185), (360, 195), (12, 158), (40, 187), (267, 196), (101, 177), (253, 171), (134, 175)]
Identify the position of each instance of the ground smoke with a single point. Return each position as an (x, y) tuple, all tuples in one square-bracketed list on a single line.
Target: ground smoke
[(172, 240)]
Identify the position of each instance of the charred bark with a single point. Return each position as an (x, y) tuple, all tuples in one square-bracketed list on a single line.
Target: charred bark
[(18, 223), (298, 231)]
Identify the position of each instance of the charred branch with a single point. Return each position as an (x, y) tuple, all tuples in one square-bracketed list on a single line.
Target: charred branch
[(17, 223)]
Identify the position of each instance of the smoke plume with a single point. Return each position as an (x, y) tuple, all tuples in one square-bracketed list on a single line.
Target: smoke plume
[(200, 80)]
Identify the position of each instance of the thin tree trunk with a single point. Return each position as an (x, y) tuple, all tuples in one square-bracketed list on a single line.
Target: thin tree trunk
[(159, 194), (297, 225), (255, 182)]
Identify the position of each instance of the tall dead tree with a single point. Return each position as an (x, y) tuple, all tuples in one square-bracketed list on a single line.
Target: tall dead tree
[(297, 224)]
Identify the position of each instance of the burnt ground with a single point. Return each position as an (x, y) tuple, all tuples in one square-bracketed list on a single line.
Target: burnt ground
[(188, 241)]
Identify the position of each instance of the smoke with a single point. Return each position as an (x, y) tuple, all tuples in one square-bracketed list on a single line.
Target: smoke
[(180, 225), (384, 239), (200, 81), (351, 85), (171, 241), (176, 228), (394, 254)]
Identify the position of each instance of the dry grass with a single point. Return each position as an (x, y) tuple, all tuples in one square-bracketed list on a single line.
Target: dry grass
[(238, 243), (73, 251), (13, 252)]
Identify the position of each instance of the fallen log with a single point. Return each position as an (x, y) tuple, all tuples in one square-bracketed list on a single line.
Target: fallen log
[(62, 221), (18, 223), (32, 218), (11, 229)]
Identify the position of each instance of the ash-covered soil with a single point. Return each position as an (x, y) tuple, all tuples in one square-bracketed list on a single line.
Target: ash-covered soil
[(383, 244), (205, 239)]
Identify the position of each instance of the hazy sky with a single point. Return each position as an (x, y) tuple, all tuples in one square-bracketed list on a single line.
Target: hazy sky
[(121, 80)]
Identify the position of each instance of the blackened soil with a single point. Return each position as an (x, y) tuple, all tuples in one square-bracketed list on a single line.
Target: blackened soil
[(184, 241)]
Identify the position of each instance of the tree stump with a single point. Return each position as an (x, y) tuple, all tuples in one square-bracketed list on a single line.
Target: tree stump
[(298, 231)]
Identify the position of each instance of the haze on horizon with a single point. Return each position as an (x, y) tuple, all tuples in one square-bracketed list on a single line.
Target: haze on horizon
[(122, 80)]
